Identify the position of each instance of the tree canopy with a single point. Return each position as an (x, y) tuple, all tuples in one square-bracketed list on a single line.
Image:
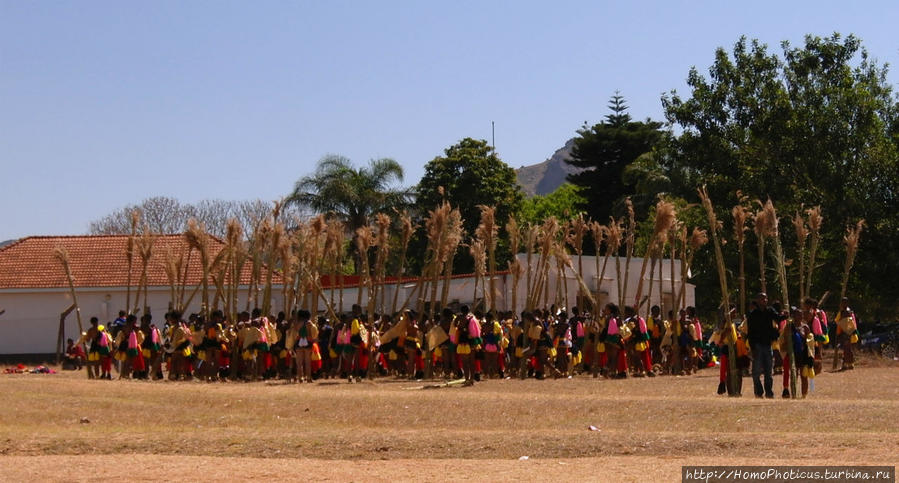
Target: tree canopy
[(564, 203), (352, 195), (816, 126), (604, 150), (468, 175)]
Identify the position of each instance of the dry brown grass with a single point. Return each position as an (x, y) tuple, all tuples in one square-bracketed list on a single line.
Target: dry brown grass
[(647, 425)]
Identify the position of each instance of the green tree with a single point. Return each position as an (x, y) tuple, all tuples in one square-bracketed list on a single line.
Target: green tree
[(353, 195), (604, 151), (814, 127), (470, 174), (564, 203)]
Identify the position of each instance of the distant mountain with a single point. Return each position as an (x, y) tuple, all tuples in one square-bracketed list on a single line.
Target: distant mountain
[(7, 242), (543, 178)]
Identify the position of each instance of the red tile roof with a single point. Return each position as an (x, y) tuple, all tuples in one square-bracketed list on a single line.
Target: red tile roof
[(95, 261)]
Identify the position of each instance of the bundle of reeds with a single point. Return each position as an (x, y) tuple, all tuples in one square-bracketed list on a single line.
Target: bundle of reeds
[(144, 251), (452, 241), (129, 256), (740, 215), (714, 227), (815, 222), (316, 237), (407, 229), (613, 246), (773, 223), (763, 226), (734, 378), (382, 240), (288, 262), (274, 246), (578, 228), (674, 235), (851, 240), (236, 257), (364, 238), (530, 244), (514, 233), (172, 267), (665, 217), (257, 249), (629, 251), (62, 256), (435, 227), (802, 232), (197, 239), (565, 261), (600, 234), (487, 231), (479, 253), (774, 233), (546, 239), (698, 238)]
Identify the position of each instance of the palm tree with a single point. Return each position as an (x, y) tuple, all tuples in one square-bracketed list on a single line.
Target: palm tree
[(354, 196)]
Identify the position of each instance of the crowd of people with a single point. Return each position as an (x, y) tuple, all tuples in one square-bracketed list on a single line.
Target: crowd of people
[(466, 344)]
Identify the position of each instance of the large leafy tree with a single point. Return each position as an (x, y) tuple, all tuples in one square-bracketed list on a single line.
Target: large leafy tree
[(564, 203), (353, 195), (604, 150), (815, 127), (470, 174)]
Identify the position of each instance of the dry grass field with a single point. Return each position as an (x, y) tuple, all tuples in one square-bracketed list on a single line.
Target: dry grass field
[(393, 430)]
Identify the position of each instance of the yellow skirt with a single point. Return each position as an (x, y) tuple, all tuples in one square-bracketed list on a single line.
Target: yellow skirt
[(463, 349), (249, 355), (438, 353), (600, 347), (121, 356), (93, 356), (641, 346)]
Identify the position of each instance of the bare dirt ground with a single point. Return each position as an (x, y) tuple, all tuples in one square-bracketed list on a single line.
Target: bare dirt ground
[(393, 430)]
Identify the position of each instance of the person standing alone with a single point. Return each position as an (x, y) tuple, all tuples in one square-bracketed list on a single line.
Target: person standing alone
[(762, 331)]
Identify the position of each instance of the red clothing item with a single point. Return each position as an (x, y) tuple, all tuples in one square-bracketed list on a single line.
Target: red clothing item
[(76, 352)]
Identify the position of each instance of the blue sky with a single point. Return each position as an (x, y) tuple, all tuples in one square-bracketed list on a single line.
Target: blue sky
[(103, 103)]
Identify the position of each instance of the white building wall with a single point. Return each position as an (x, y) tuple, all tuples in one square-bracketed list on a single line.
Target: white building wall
[(31, 322)]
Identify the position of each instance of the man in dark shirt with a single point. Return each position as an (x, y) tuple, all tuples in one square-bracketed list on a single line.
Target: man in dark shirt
[(763, 331)]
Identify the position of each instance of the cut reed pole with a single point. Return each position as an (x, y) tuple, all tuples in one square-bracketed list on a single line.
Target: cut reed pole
[(599, 234), (774, 233), (452, 242), (629, 252), (851, 240), (514, 234), (761, 227), (613, 246), (382, 241), (129, 254), (802, 232), (815, 222), (62, 255), (740, 216), (665, 217), (407, 229), (487, 231), (733, 375), (575, 239)]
